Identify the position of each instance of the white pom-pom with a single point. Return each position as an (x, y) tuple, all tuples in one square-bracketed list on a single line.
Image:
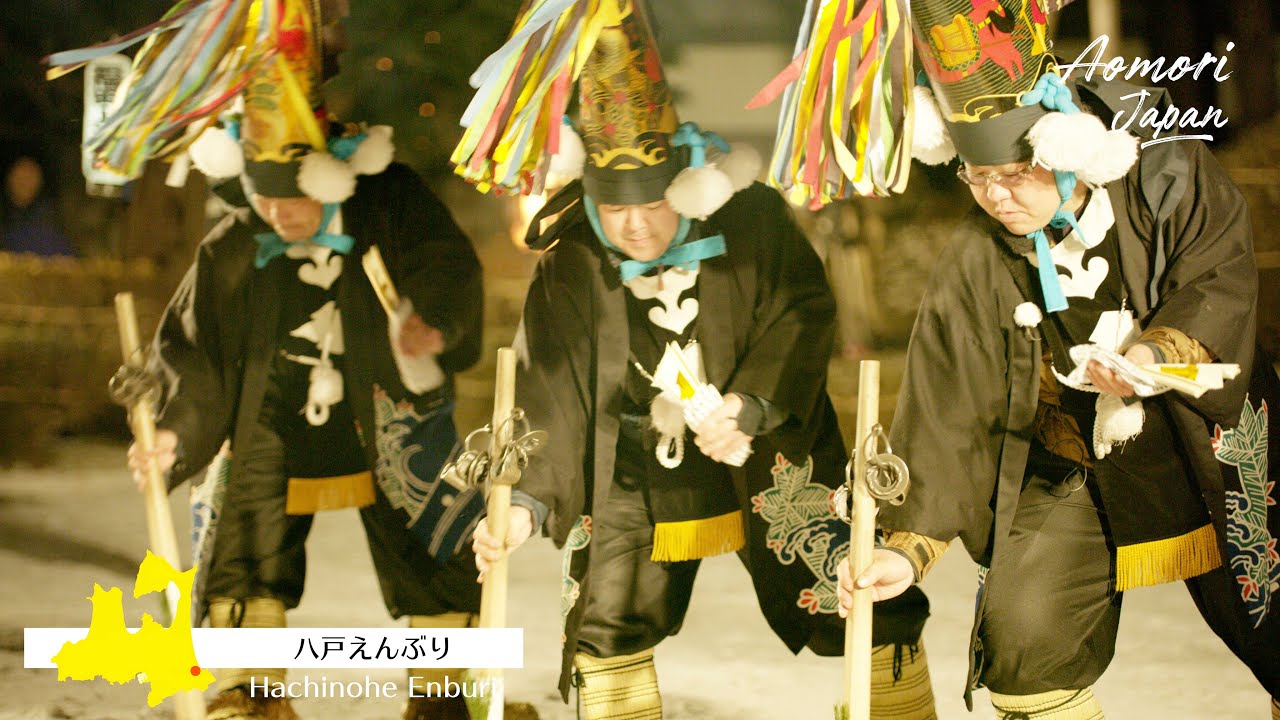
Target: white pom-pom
[(374, 154), (742, 166), (699, 191), (216, 154), (1082, 144), (1112, 159), (568, 162), (667, 416), (930, 141), (1066, 142), (325, 178), (326, 386), (1116, 423), (1027, 315)]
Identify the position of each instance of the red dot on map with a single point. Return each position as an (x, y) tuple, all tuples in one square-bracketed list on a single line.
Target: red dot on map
[(195, 670)]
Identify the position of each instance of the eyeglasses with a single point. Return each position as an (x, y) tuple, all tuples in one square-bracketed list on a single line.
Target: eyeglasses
[(1007, 180)]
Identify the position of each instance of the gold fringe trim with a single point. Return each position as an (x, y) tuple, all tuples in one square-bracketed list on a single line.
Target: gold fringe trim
[(308, 496), (1162, 561), (694, 539)]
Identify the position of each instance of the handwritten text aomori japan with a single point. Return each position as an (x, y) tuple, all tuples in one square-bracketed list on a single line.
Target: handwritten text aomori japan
[(1158, 70)]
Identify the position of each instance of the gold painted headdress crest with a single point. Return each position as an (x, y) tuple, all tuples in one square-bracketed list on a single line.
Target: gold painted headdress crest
[(633, 148)]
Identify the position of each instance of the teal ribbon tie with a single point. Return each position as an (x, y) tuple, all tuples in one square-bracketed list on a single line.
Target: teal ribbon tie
[(1054, 299), (344, 147), (691, 136), (272, 246), (1051, 93), (686, 256), (678, 254)]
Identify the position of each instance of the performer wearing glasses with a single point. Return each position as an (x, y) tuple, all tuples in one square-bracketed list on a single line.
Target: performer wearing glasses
[(1068, 493)]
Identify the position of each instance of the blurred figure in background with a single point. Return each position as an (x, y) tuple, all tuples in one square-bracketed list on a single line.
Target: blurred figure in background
[(27, 224)]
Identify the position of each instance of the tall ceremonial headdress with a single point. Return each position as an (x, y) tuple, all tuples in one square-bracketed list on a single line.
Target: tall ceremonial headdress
[(626, 115), (632, 150), (996, 97), (999, 98), (257, 65)]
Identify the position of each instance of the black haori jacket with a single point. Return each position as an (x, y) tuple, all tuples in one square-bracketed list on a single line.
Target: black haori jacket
[(765, 325), (219, 336)]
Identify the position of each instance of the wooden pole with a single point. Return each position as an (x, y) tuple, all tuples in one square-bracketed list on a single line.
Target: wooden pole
[(1104, 19), (857, 637), (162, 538), (493, 596)]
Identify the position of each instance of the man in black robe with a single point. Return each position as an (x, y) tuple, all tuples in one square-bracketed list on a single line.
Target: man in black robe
[(279, 364), (1067, 498), (636, 488)]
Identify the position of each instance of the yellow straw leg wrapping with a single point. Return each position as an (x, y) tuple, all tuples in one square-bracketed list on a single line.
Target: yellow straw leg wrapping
[(1275, 708), (307, 496), (1162, 561), (619, 688), (1052, 705), (910, 696), (421, 678), (260, 612), (694, 539)]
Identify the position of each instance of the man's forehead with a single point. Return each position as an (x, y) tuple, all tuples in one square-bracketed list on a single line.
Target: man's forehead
[(258, 197), (25, 164), (997, 169), (607, 207)]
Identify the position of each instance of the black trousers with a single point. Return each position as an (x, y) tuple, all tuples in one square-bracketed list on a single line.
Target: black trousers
[(259, 551), (1047, 613), (634, 602)]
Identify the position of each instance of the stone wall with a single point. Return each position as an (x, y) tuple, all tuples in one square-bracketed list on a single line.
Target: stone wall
[(59, 345)]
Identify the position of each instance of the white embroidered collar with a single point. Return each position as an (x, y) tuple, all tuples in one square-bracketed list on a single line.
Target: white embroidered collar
[(667, 287), (326, 265), (1083, 278)]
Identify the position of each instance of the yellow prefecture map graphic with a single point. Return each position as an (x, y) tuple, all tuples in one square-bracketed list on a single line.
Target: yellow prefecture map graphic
[(165, 655)]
